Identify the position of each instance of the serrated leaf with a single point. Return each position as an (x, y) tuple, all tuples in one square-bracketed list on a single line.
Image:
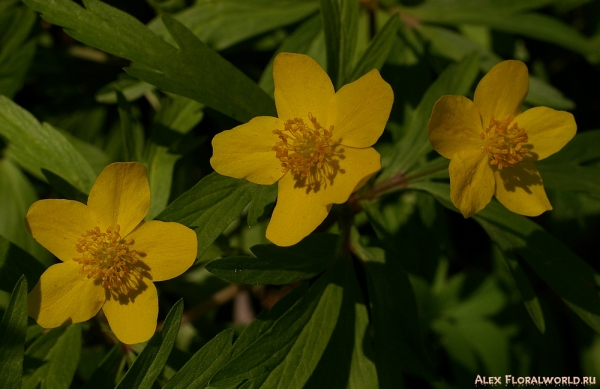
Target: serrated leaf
[(276, 265), (567, 274), (151, 361), (290, 343), (54, 356), (131, 88), (227, 22), (210, 206), (456, 79), (378, 50), (198, 371), (15, 262), (13, 330), (180, 70), (35, 146)]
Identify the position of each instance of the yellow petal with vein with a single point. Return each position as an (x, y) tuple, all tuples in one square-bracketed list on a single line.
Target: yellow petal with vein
[(502, 90), (471, 181), (168, 249), (301, 86), (520, 189), (64, 296), (120, 195), (454, 126), (57, 224), (296, 213), (361, 110), (353, 172), (133, 317), (246, 151), (548, 130)]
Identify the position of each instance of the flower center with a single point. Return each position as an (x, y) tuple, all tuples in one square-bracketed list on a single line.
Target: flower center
[(307, 151), (504, 144), (106, 256)]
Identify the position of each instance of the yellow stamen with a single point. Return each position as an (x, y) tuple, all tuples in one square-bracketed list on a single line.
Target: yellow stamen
[(504, 144), (106, 256), (307, 152)]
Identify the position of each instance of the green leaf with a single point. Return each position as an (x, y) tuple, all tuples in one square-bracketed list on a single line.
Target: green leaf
[(378, 50), (198, 371), (13, 329), (133, 133), (131, 88), (16, 50), (568, 275), (17, 194), (279, 265), (35, 146), (262, 203), (504, 17), (455, 46), (290, 342), (570, 169), (180, 70), (300, 41), (331, 18), (456, 79), (151, 361), (15, 262), (347, 360), (105, 375), (221, 25), (210, 206), (397, 339), (530, 299), (349, 11), (54, 356)]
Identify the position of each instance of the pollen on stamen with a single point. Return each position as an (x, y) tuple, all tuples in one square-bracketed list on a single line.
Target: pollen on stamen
[(503, 142), (302, 147), (106, 256)]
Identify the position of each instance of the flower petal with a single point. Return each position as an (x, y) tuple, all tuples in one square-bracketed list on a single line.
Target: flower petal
[(301, 86), (57, 224), (454, 126), (64, 296), (354, 171), (361, 110), (133, 317), (501, 92), (296, 213), (471, 181), (548, 130), (120, 195), (247, 152), (168, 249), (521, 190)]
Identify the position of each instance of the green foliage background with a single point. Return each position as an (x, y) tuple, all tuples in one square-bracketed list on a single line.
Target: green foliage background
[(396, 290)]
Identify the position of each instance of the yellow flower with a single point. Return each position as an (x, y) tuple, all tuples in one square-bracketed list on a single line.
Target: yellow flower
[(492, 145), (110, 256), (318, 149)]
